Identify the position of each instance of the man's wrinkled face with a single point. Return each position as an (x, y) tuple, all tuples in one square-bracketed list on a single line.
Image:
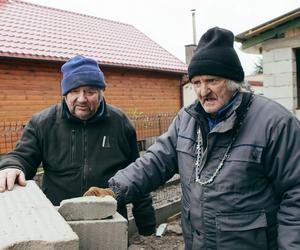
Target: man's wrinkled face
[(83, 102), (212, 92)]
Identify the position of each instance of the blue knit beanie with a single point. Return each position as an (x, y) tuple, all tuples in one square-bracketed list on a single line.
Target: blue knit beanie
[(81, 71)]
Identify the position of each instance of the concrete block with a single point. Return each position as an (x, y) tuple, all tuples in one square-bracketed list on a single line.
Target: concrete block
[(88, 208), (279, 92), (269, 80), (283, 54), (286, 66), (102, 234), (30, 221), (285, 79), (268, 56)]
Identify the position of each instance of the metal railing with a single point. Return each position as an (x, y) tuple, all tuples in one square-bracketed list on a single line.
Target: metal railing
[(150, 126), (10, 133)]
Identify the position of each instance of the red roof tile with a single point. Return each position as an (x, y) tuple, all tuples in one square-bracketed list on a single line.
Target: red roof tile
[(37, 32)]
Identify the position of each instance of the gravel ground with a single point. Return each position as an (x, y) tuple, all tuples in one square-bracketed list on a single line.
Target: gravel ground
[(169, 193), (172, 239)]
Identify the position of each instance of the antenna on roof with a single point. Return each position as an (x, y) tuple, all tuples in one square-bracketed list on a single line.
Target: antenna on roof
[(194, 25)]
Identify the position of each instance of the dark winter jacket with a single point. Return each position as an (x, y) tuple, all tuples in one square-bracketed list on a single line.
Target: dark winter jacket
[(79, 154), (253, 201)]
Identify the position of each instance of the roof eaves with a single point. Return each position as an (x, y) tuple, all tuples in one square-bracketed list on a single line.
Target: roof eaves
[(269, 34), (109, 64), (268, 25)]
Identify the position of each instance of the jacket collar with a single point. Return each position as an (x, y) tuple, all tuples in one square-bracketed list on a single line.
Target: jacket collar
[(232, 115), (99, 115)]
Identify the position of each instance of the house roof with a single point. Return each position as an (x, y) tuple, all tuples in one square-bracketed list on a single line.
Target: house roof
[(37, 32), (268, 30)]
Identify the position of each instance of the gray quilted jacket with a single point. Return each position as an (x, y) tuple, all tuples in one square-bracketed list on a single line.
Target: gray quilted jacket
[(253, 201)]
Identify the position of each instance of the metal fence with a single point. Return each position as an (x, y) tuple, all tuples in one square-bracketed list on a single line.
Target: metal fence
[(148, 127), (10, 132)]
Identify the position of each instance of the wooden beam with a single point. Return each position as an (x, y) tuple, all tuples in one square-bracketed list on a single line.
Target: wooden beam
[(270, 34)]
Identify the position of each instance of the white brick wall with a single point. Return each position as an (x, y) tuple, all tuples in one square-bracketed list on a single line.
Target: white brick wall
[(279, 67), (189, 95), (279, 92), (283, 54), (284, 79), (279, 74)]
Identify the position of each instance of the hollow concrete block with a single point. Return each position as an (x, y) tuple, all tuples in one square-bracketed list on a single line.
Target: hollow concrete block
[(110, 233)]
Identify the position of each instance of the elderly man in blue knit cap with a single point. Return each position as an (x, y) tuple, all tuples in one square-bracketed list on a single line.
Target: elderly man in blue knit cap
[(237, 155), (81, 142)]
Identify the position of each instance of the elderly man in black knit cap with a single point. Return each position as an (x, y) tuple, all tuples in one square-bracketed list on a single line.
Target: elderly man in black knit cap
[(81, 142), (237, 155)]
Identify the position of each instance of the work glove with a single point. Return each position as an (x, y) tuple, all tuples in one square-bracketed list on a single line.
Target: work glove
[(95, 191)]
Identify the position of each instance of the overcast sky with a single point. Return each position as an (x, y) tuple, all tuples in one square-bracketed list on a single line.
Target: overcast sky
[(169, 22)]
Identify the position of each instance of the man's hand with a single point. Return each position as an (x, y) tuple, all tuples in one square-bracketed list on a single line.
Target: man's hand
[(10, 176), (95, 191)]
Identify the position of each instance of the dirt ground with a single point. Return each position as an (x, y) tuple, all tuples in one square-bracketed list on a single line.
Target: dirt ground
[(172, 239)]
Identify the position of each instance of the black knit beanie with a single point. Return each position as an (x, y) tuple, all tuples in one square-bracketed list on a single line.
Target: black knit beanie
[(216, 56)]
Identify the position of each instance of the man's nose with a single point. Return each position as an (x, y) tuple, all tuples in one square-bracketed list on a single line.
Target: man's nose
[(203, 90), (81, 96)]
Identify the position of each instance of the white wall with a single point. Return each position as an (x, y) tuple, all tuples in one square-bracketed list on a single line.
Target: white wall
[(280, 83), (189, 95)]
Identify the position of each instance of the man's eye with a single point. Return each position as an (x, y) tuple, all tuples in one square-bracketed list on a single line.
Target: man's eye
[(214, 81)]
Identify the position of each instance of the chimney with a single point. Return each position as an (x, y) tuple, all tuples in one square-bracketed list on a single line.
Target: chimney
[(190, 49), (194, 26)]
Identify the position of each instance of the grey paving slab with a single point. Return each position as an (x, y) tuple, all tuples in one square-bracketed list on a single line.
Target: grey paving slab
[(88, 208), (102, 234), (30, 221)]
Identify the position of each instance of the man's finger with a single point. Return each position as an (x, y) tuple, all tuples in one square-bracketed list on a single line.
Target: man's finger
[(2, 181), (11, 178), (21, 179)]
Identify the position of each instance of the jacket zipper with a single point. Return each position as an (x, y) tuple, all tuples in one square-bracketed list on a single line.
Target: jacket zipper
[(85, 161), (73, 136)]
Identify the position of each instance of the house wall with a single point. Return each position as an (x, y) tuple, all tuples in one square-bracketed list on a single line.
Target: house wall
[(137, 91), (189, 94), (280, 83), (27, 87)]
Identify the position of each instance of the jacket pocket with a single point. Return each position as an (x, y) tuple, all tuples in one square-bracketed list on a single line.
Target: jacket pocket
[(246, 153), (186, 145), (186, 157), (245, 231)]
